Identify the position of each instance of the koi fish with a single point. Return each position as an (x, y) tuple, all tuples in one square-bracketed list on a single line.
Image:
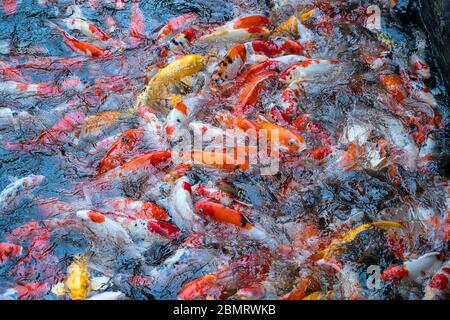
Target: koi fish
[(289, 140), (137, 24), (138, 209), (93, 125), (16, 190), (308, 70), (438, 286), (78, 282), (56, 135), (115, 156), (184, 66), (251, 92), (76, 22), (80, 47), (175, 25), (413, 269), (180, 205)]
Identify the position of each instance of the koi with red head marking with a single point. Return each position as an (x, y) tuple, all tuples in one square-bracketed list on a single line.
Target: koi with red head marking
[(419, 66), (180, 42)]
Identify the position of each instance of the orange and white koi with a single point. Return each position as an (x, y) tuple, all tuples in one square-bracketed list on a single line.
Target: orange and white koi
[(289, 140), (219, 212), (308, 70), (242, 272), (80, 47), (175, 25), (235, 35)]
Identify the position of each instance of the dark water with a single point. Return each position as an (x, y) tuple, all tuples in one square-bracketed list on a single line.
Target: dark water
[(315, 196)]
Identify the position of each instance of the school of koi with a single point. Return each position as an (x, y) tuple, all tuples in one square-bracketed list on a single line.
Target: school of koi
[(116, 215)]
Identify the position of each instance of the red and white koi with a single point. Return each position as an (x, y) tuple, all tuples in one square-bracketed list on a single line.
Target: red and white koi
[(37, 89), (179, 115), (236, 58), (181, 208), (417, 89), (438, 287), (419, 66), (174, 26), (27, 291), (77, 22), (103, 231), (80, 47), (413, 269)]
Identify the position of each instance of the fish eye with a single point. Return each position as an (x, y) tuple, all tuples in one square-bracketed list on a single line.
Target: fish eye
[(200, 210), (292, 142), (178, 121), (125, 139)]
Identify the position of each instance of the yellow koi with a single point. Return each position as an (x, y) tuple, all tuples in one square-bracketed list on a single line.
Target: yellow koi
[(78, 282), (335, 247), (184, 66)]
